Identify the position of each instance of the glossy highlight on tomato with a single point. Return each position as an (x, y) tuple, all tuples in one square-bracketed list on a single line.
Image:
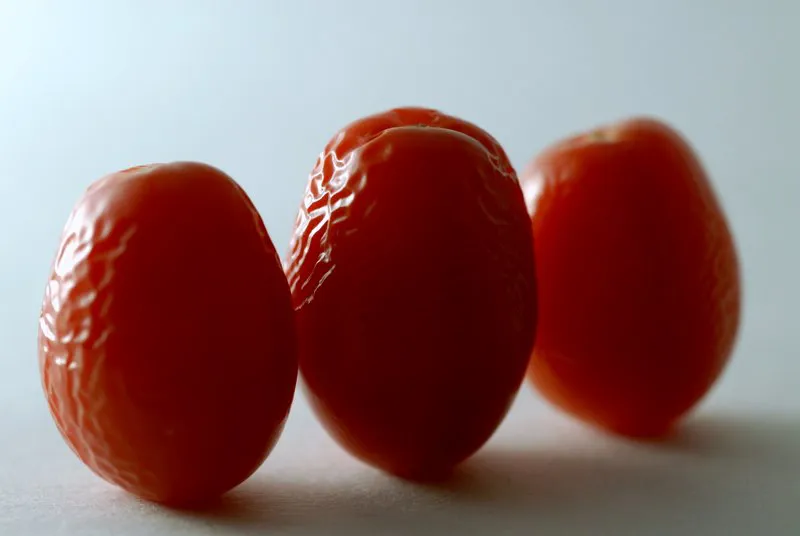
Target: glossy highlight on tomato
[(412, 274), (167, 342), (639, 284)]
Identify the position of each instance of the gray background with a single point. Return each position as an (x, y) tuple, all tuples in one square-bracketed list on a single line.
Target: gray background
[(257, 88)]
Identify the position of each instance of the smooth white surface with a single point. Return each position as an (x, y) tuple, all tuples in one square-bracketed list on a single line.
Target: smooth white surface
[(257, 88)]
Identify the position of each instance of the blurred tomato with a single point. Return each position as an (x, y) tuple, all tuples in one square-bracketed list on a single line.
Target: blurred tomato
[(412, 273), (638, 277), (166, 338)]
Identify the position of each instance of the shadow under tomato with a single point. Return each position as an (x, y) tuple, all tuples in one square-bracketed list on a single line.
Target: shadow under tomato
[(708, 476)]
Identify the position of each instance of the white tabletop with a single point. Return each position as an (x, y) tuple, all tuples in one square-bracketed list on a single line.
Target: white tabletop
[(257, 88)]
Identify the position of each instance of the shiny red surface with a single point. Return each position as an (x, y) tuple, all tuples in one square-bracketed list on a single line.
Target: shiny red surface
[(412, 273), (639, 293), (166, 337)]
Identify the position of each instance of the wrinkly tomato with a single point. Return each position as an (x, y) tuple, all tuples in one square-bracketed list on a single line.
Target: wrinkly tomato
[(639, 292), (412, 273), (166, 337)]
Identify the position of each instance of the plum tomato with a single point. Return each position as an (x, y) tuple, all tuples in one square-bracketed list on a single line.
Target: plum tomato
[(639, 291), (413, 279), (167, 344)]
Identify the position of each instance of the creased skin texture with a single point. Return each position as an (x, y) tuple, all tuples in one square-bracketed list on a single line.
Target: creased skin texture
[(413, 279), (166, 337), (639, 284)]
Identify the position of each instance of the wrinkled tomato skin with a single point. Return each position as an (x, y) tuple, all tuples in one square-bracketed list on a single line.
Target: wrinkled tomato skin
[(639, 291), (166, 338), (413, 279)]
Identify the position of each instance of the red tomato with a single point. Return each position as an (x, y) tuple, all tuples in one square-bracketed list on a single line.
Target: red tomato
[(166, 338), (638, 277), (412, 273)]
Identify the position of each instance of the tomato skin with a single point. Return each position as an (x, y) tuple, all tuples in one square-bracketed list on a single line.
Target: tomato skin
[(639, 291), (166, 338), (413, 279)]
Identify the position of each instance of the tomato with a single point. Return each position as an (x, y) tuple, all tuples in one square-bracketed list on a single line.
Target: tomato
[(639, 292), (412, 273), (166, 338)]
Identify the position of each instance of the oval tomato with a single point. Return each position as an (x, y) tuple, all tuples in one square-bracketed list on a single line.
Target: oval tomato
[(166, 338), (639, 295), (412, 273)]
